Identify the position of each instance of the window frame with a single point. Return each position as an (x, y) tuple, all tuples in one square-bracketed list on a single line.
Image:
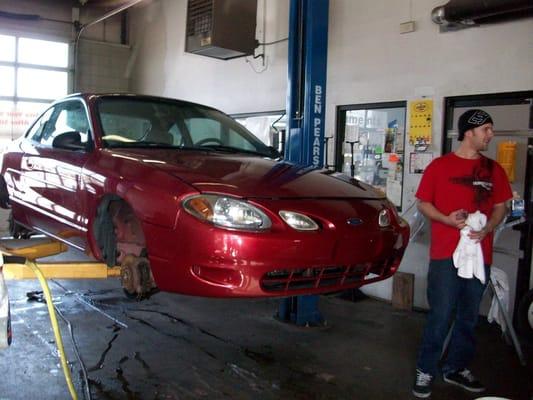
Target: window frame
[(340, 134), (16, 64), (55, 110)]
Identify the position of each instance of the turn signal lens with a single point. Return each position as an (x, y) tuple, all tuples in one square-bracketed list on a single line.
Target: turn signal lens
[(298, 221), (201, 207)]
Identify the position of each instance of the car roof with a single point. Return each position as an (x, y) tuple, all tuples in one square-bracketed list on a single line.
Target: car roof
[(91, 96)]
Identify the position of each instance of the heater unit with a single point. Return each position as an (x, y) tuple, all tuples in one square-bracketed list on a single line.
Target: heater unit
[(222, 29)]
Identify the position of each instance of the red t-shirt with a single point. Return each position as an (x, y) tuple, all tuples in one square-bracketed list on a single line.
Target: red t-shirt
[(451, 183)]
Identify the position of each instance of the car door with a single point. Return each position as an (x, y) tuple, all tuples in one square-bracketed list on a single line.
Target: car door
[(51, 172)]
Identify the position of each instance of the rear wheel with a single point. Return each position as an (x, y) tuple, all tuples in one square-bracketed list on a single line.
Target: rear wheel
[(18, 231), (4, 194)]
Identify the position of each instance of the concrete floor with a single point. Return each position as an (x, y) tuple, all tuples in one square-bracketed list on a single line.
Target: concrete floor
[(181, 347)]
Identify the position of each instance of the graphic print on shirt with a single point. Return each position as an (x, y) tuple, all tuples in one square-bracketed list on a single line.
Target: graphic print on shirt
[(480, 181)]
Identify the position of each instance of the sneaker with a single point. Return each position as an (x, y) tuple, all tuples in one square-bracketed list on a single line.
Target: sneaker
[(464, 379), (422, 388)]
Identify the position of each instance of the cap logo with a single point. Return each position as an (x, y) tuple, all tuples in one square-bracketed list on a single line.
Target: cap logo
[(478, 118)]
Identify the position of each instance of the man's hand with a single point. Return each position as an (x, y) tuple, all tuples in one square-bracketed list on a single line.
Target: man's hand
[(478, 236), (457, 218), (499, 211)]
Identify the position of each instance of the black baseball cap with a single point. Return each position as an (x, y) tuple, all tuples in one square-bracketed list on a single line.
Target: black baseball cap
[(472, 119)]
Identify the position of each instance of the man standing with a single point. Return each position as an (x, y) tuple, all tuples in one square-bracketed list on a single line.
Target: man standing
[(453, 186)]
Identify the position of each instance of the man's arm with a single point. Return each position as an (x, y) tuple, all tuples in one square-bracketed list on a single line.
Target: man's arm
[(499, 211), (456, 218)]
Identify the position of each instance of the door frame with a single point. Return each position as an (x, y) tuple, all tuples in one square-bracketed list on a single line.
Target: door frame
[(523, 274)]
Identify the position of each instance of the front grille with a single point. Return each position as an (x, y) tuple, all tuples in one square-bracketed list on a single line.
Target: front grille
[(340, 277)]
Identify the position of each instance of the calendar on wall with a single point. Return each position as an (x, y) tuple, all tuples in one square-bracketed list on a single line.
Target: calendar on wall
[(420, 122)]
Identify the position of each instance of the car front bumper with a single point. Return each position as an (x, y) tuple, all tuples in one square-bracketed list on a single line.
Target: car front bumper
[(200, 259)]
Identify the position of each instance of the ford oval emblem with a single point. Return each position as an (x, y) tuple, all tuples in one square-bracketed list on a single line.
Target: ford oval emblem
[(354, 221)]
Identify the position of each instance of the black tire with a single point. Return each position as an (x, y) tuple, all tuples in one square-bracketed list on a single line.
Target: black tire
[(525, 316), (4, 195), (18, 231)]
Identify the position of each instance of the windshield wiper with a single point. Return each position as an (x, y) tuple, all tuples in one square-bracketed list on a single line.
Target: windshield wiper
[(140, 144), (231, 149)]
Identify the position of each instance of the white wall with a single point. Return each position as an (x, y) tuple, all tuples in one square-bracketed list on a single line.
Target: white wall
[(368, 61), (163, 68)]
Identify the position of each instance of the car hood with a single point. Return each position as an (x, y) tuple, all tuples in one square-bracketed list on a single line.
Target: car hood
[(250, 176)]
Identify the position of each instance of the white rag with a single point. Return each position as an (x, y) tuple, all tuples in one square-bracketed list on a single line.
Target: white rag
[(468, 256), (501, 286), (4, 310)]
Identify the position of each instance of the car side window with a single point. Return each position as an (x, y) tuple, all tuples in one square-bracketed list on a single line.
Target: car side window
[(66, 117), (36, 131)]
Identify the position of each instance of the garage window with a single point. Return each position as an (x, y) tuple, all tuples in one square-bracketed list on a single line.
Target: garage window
[(32, 74), (370, 145), (269, 127)]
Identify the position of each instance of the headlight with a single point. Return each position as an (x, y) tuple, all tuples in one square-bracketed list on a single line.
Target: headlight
[(298, 221), (227, 212)]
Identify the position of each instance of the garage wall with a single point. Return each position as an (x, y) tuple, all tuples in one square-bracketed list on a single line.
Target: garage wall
[(368, 61), (103, 60), (103, 67), (162, 67), (40, 29)]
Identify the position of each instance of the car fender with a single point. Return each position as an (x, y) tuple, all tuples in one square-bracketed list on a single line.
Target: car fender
[(151, 204)]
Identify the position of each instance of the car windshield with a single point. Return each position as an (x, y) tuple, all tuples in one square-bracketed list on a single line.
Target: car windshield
[(134, 122)]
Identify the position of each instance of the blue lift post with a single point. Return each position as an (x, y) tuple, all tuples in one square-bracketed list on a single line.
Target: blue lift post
[(306, 95)]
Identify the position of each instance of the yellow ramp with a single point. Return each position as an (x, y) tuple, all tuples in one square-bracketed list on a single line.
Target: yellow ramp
[(58, 270), (62, 271)]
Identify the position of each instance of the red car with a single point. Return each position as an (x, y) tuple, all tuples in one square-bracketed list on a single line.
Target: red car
[(186, 200)]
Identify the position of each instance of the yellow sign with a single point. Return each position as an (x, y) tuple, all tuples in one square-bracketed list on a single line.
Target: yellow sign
[(420, 122)]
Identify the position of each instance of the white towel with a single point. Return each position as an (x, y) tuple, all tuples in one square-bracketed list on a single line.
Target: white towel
[(468, 256), (501, 286), (4, 311)]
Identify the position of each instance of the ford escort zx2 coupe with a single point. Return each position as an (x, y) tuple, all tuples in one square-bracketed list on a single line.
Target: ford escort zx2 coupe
[(186, 200)]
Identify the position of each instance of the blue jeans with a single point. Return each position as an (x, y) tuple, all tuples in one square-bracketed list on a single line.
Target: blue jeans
[(448, 293)]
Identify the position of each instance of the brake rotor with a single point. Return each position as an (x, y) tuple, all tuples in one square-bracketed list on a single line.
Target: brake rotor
[(136, 277)]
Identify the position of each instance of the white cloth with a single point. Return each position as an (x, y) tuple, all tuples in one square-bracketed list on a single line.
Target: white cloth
[(501, 286), (468, 257), (4, 309)]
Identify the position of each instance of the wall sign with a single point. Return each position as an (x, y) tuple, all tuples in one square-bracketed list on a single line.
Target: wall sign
[(420, 122), (418, 162)]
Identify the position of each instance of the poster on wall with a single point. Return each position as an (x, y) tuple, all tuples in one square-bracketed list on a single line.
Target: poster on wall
[(418, 162), (420, 122)]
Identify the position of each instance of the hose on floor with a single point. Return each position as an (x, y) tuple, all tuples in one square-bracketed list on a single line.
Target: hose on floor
[(55, 326)]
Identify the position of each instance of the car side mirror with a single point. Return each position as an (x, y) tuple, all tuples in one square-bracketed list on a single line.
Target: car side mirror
[(69, 141)]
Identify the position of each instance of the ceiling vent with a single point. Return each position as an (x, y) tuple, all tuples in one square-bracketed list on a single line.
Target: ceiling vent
[(459, 14), (222, 29)]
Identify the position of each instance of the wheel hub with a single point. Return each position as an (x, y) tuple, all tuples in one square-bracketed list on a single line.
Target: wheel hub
[(136, 277)]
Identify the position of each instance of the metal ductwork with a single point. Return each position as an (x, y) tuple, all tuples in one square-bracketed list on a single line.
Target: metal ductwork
[(457, 14)]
